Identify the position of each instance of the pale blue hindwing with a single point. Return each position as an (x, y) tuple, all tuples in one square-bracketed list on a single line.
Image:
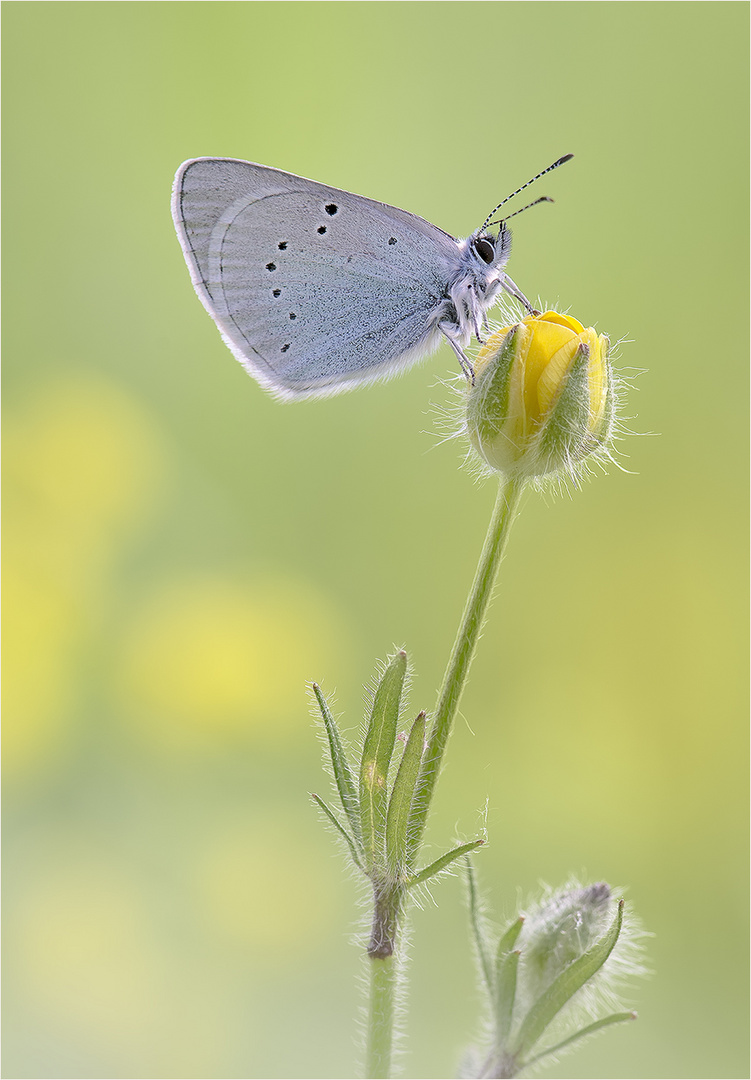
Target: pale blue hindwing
[(313, 288)]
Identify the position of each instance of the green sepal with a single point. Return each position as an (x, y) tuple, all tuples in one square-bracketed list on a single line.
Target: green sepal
[(507, 965), (345, 780), (604, 431), (564, 436), (338, 825), (571, 979), (487, 405), (590, 1029), (476, 921), (400, 803), (376, 758), (443, 862)]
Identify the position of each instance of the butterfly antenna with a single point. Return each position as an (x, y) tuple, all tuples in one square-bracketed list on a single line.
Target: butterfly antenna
[(560, 161), (501, 221)]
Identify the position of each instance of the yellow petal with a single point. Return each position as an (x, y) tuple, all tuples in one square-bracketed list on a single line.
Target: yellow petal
[(549, 383), (561, 320), (549, 339)]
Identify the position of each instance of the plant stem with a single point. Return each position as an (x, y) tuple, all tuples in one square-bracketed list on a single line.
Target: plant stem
[(381, 954), (381, 1017), (463, 651), (386, 910)]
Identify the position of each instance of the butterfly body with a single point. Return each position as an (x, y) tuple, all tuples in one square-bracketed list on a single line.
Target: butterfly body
[(315, 289)]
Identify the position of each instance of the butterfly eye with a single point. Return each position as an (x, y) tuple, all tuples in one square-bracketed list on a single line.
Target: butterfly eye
[(484, 248)]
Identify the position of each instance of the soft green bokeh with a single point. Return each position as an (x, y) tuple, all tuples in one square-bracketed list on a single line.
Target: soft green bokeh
[(183, 552)]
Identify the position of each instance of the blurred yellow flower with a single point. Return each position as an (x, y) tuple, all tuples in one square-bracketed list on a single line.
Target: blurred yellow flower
[(543, 396), (83, 461), (223, 658), (83, 464)]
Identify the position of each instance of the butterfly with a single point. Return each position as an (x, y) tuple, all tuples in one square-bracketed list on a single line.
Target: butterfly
[(315, 289)]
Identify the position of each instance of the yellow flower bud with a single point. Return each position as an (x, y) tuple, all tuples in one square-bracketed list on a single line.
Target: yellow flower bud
[(542, 400)]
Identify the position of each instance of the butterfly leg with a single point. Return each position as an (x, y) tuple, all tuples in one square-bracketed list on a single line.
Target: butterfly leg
[(478, 317), (461, 356), (516, 292)]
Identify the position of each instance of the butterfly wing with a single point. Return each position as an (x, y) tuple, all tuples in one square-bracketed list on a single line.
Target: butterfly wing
[(313, 289)]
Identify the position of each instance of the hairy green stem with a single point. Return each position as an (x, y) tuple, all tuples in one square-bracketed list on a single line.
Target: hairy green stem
[(463, 651), (381, 1009), (384, 938)]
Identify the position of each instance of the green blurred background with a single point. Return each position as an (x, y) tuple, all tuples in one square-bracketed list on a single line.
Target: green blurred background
[(184, 553)]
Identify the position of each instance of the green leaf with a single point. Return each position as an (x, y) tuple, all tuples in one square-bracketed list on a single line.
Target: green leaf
[(475, 919), (508, 940), (571, 979), (345, 781), (505, 994), (376, 757), (443, 862), (615, 1018), (506, 964), (338, 825), (401, 797)]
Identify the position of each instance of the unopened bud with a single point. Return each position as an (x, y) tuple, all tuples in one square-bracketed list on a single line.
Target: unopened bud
[(560, 930), (543, 397)]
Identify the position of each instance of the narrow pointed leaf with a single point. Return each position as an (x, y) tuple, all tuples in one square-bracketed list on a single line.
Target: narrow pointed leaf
[(506, 965), (571, 979), (505, 994), (508, 940), (338, 825), (376, 757), (475, 919), (345, 781), (401, 797), (443, 862), (615, 1018)]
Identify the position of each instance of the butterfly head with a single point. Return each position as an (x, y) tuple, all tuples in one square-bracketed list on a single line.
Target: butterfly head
[(492, 250)]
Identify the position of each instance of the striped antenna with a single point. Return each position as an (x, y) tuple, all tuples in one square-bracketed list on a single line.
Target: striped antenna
[(503, 220), (560, 161)]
